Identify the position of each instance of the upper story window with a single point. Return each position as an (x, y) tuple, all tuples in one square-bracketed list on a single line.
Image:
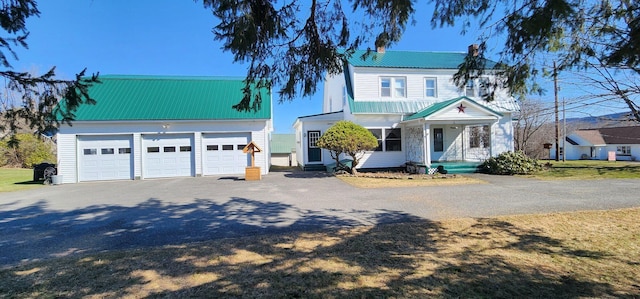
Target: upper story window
[(483, 88), (430, 87), (470, 89), (393, 87)]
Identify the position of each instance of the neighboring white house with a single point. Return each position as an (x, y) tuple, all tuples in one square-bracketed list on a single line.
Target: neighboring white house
[(410, 103), (599, 144), (152, 127)]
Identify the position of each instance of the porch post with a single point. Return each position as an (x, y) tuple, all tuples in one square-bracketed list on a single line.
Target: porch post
[(426, 139)]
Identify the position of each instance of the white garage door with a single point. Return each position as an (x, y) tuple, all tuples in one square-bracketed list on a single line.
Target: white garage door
[(167, 156), (105, 158), (222, 153)]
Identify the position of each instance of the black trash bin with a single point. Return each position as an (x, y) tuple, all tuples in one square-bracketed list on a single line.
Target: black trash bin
[(43, 171)]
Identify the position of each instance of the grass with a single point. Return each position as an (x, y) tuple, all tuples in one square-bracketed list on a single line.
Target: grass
[(17, 179), (418, 181), (568, 255), (589, 169)]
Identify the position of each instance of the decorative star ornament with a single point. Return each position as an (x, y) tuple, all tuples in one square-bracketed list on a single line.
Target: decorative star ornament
[(461, 108)]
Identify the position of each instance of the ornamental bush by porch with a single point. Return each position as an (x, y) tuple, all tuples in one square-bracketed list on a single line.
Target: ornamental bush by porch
[(348, 138), (510, 163)]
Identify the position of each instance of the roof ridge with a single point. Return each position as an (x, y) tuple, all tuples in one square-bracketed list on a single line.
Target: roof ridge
[(168, 77)]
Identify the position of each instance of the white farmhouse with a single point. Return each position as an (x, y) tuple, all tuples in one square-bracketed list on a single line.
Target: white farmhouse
[(152, 127), (410, 103)]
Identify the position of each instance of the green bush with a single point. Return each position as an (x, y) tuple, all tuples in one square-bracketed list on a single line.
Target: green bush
[(25, 150), (510, 163)]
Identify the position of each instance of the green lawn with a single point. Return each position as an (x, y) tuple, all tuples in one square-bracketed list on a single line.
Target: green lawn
[(16, 179), (589, 169)]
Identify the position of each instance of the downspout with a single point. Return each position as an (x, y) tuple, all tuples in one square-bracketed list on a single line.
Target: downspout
[(426, 144)]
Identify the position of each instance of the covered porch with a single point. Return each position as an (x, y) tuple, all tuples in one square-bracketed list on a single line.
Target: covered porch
[(458, 132)]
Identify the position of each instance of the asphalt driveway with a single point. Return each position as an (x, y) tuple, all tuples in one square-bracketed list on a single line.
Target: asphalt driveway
[(90, 217)]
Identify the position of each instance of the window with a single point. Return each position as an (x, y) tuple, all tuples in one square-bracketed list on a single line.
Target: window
[(314, 136), (393, 140), (90, 151), (124, 150), (624, 150), (470, 89), (385, 87), (169, 149), (378, 134), (106, 151), (153, 149), (483, 89), (212, 147), (185, 148), (389, 140), (438, 140), (399, 88), (479, 137), (227, 147), (241, 146), (430, 88), (395, 87)]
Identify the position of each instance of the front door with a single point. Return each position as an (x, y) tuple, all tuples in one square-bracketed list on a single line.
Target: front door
[(314, 153)]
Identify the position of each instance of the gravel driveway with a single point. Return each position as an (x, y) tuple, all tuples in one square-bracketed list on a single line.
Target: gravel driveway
[(91, 217)]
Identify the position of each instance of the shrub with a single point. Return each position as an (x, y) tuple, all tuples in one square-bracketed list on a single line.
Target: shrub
[(510, 163), (346, 137), (25, 150)]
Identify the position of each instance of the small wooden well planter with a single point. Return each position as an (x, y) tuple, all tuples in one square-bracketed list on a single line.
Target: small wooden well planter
[(252, 173)]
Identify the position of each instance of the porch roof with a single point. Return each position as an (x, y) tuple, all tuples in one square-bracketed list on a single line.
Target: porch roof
[(441, 106)]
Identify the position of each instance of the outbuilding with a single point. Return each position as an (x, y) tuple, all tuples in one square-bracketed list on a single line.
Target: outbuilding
[(145, 127)]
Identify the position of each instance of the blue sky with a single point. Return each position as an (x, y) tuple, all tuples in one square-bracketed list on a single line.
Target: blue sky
[(169, 37)]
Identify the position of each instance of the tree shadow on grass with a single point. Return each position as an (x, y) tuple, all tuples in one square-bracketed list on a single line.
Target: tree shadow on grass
[(276, 251)]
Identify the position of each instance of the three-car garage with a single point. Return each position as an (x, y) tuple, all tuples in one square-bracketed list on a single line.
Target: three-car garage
[(146, 127), (114, 157)]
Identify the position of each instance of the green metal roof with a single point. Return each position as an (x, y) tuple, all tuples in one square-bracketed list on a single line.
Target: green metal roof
[(410, 59), (283, 143), (444, 104), (169, 98)]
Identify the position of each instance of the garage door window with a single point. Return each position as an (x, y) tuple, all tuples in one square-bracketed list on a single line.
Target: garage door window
[(227, 147), (169, 149), (90, 151), (212, 147), (241, 146), (185, 148), (106, 151), (124, 150), (153, 149)]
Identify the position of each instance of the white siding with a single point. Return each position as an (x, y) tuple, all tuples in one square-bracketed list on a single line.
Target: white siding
[(67, 148), (367, 83), (67, 158), (333, 93)]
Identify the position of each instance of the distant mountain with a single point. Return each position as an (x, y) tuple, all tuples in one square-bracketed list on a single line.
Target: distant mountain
[(614, 119)]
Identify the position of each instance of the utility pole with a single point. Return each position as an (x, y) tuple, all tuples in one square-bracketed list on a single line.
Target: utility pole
[(555, 92), (564, 131)]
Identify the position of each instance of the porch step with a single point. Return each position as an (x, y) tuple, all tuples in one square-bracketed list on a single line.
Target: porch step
[(314, 167), (458, 167)]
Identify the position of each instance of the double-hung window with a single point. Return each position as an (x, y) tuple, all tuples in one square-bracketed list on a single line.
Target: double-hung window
[(393, 87), (479, 137), (483, 88), (430, 87), (470, 89), (389, 139)]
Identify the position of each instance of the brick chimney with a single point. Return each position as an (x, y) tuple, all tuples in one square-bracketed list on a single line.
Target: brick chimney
[(474, 50)]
